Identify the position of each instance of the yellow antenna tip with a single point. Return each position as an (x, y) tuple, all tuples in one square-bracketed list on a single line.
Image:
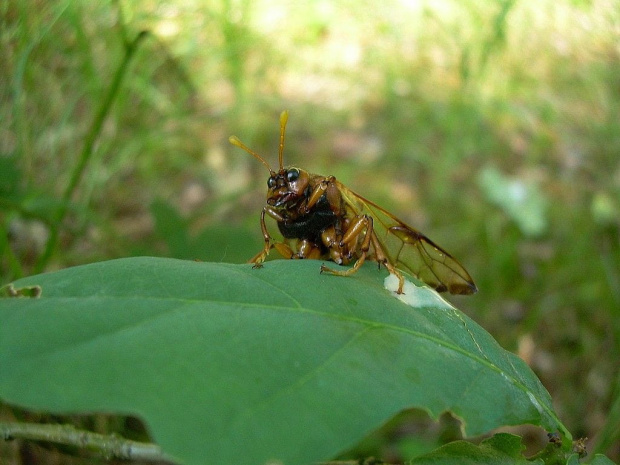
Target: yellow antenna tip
[(283, 117), (234, 140)]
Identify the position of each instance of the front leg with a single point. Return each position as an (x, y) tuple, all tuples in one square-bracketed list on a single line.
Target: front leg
[(260, 257)]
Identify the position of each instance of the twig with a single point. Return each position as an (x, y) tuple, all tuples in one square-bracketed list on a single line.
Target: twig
[(109, 446)]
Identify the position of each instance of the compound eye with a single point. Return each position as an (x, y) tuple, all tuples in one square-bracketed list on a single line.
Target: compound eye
[(271, 182), (292, 175)]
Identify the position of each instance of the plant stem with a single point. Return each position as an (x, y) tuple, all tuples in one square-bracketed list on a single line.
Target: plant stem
[(109, 446), (87, 150)]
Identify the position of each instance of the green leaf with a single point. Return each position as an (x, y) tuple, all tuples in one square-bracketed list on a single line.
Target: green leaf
[(522, 201), (600, 459), (502, 448), (245, 365)]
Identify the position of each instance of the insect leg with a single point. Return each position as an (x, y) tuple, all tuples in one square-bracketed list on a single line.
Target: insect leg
[(307, 249), (382, 259), (326, 185), (284, 249), (331, 238), (360, 224), (260, 257)]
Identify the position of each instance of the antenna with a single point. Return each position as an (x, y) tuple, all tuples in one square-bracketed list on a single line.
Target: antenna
[(283, 120), (234, 140)]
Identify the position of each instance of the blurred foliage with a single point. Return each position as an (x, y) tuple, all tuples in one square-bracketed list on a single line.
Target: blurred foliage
[(446, 113)]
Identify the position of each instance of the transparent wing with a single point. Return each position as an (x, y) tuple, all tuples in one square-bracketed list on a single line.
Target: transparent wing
[(410, 250)]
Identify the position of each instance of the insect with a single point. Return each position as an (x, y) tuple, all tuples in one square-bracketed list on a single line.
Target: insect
[(329, 221)]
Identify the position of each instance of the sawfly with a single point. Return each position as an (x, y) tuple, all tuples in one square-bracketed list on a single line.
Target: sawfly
[(331, 222)]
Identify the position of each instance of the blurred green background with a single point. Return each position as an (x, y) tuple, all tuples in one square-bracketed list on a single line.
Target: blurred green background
[(491, 126)]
